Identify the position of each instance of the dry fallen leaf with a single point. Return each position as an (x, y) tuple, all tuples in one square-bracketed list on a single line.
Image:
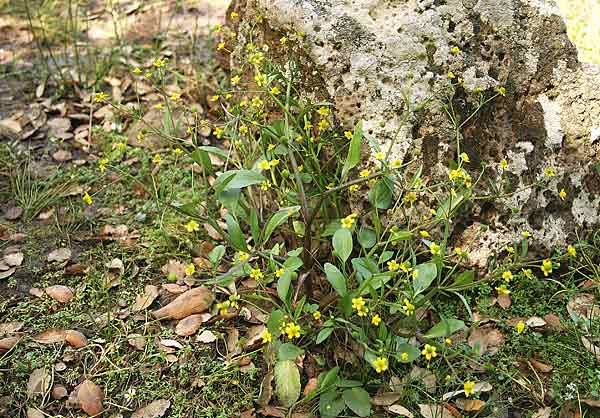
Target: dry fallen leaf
[(75, 338), (541, 367), (434, 411), (386, 398), (90, 398), (535, 322), (174, 269), (154, 409), (59, 255), (144, 300), (488, 338), (60, 293), (504, 301), (13, 213), (62, 155), (479, 387), (10, 327), (8, 343), (189, 325), (14, 259), (470, 404), (271, 411), (59, 392), (39, 382), (206, 337), (50, 336), (34, 413), (583, 306), (7, 273), (254, 336), (400, 410), (543, 413), (589, 346), (193, 301), (137, 341)]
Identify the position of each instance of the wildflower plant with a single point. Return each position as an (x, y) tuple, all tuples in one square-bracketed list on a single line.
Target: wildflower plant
[(333, 273)]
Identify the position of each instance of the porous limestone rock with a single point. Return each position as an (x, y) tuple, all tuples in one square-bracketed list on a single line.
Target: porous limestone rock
[(379, 60)]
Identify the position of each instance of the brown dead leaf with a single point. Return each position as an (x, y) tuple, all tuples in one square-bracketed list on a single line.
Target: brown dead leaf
[(39, 382), (174, 288), (60, 293), (59, 392), (10, 327), (589, 346), (14, 259), (154, 409), (400, 410), (583, 306), (90, 398), (34, 413), (271, 411), (76, 270), (51, 336), (8, 343), (13, 213), (75, 338), (535, 322), (233, 340), (591, 403), (189, 325), (543, 413), (144, 300), (488, 338), (266, 390), (386, 398), (470, 404), (59, 255), (37, 292), (504, 301), (254, 336), (423, 375), (541, 367), (62, 155), (553, 322), (434, 411), (311, 385), (7, 273), (206, 337), (193, 301)]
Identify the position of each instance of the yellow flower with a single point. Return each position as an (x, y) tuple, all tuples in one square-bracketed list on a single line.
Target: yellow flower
[(503, 164), (562, 194), (460, 252), (178, 151), (317, 315), (448, 341), (549, 171), (501, 91), (137, 71), (265, 185), (376, 320), (404, 356), (192, 226), (275, 91), (546, 267), (348, 221), (292, 330), (260, 79), (274, 163), (243, 130), (102, 165), (405, 267), (221, 46), (429, 351), (510, 249), (159, 106), (256, 58), (463, 156), (451, 75), (87, 198), (283, 40), (520, 327), (469, 386), (455, 50), (348, 134), (364, 173), (156, 159), (234, 15), (393, 265), (100, 97), (257, 102), (358, 303), (214, 98), (323, 125), (217, 28), (526, 234), (160, 63), (410, 197), (256, 274), (323, 111), (190, 269), (380, 364), (243, 256), (424, 234), (396, 164), (502, 290), (279, 272), (223, 307), (264, 165), (141, 136), (353, 188), (408, 307), (507, 276), (380, 156), (175, 96), (267, 337), (235, 80), (434, 249), (571, 250)]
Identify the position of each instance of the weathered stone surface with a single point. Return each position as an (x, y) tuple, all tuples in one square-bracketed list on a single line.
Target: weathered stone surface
[(376, 59)]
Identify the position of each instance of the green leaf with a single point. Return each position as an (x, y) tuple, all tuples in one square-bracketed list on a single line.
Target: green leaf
[(283, 285), (353, 157), (382, 195), (222, 154), (328, 378), (323, 335), (274, 322), (445, 328), (203, 160), (293, 263), (342, 243), (216, 254), (237, 179), (397, 235), (367, 237), (331, 404), (464, 278), (238, 240), (425, 275), (288, 351), (277, 219), (451, 204), (336, 279), (287, 382), (365, 267), (358, 400), (412, 351), (254, 226)]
